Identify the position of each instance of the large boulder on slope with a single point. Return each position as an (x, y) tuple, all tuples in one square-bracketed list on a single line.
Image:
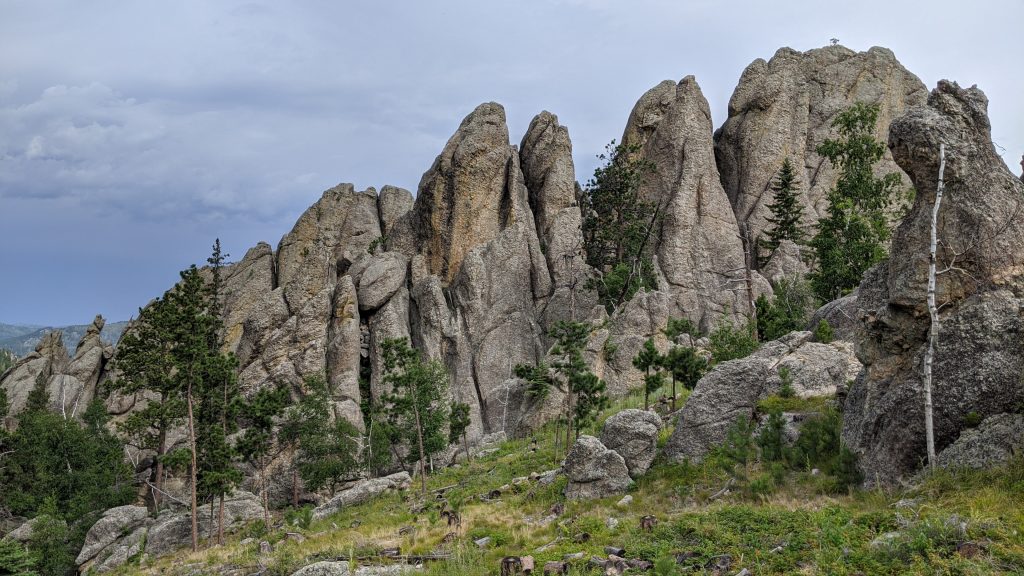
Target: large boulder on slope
[(362, 491), (594, 471), (731, 390), (995, 441), (633, 434)]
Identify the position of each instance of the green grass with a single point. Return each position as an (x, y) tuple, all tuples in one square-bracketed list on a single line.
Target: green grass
[(792, 527)]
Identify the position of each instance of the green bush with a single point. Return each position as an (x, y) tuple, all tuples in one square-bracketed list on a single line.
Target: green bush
[(15, 560), (770, 440), (786, 312), (972, 420), (786, 388), (823, 332), (820, 446), (730, 342)]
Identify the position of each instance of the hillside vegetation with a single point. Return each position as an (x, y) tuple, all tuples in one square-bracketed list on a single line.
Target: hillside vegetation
[(950, 523)]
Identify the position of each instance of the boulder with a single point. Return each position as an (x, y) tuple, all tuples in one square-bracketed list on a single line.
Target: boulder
[(112, 526), (994, 442), (594, 471), (172, 529), (786, 263), (362, 491), (784, 108), (842, 314), (633, 434), (324, 568), (978, 362), (382, 276), (731, 390), (25, 531)]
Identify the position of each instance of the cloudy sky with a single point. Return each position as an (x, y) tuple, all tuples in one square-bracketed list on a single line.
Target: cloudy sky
[(134, 133)]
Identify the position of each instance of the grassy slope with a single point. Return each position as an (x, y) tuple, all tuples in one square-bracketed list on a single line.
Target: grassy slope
[(796, 529)]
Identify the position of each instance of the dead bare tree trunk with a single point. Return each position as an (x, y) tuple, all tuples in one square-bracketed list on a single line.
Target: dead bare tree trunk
[(193, 472), (933, 311)]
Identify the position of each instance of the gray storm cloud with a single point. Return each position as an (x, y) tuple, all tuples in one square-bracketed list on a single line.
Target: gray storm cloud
[(132, 134)]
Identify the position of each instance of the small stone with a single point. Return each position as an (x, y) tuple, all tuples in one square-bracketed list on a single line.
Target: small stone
[(265, 547), (626, 501), (483, 542), (612, 523)]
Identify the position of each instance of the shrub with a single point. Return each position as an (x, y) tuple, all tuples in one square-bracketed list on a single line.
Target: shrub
[(786, 312), (730, 342), (15, 560), (820, 446), (786, 389), (823, 332), (770, 440), (972, 420)]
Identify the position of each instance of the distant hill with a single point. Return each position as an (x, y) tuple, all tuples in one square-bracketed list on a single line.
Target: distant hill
[(22, 339)]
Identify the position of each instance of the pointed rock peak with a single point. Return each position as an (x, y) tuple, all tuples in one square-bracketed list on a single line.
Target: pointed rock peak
[(471, 193), (51, 344)]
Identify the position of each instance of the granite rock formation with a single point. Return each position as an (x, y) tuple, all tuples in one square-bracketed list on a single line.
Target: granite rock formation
[(785, 107), (978, 361)]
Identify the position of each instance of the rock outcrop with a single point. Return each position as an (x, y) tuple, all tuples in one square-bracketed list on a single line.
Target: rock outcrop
[(362, 491), (699, 253), (594, 471), (731, 390), (784, 108), (978, 361), (633, 434), (994, 442), (70, 381), (129, 531)]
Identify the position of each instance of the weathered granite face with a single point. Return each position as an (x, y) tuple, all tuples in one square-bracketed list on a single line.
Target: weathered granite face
[(784, 108), (698, 248), (978, 359)]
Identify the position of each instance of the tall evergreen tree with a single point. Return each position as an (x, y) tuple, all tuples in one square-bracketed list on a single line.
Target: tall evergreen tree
[(618, 225), (146, 369), (585, 392), (854, 235), (458, 422), (787, 212), (416, 403)]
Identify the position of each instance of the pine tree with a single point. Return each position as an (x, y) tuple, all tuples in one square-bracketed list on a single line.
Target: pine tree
[(585, 392), (458, 422), (854, 234), (258, 443), (787, 212), (146, 367), (685, 366), (416, 403), (618, 226), (647, 358)]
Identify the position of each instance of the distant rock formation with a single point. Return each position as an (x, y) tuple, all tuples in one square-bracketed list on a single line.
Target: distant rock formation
[(978, 360), (785, 107), (70, 381)]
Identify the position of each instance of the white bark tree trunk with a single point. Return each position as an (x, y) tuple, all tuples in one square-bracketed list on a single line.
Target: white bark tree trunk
[(933, 311)]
